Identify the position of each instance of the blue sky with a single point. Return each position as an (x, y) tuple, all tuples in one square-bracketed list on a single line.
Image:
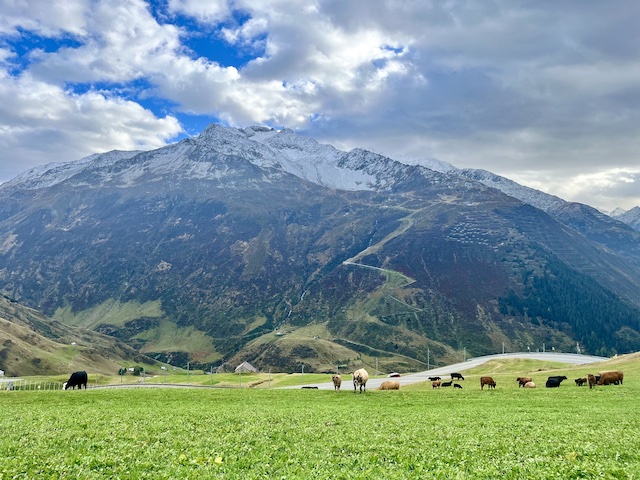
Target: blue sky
[(545, 93)]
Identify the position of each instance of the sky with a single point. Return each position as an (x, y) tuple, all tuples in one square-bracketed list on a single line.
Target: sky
[(545, 93)]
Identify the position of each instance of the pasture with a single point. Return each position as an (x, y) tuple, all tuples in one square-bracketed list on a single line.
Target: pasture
[(417, 432)]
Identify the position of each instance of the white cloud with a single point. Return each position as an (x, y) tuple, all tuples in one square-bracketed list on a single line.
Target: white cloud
[(44, 17), (41, 123), (211, 11), (499, 85)]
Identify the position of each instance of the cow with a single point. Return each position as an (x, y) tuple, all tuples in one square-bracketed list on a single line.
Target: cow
[(488, 381), (457, 385), (446, 384), (360, 378), (529, 385), (389, 385), (434, 379), (337, 381), (580, 381), (457, 376), (614, 377), (555, 381), (436, 384), (523, 380), (77, 379), (592, 380)]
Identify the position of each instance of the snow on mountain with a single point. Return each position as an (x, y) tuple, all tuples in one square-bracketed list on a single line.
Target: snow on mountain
[(616, 212), (428, 162), (44, 176), (630, 217), (282, 150), (533, 197)]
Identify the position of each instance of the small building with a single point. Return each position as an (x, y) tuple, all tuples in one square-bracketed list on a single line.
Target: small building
[(1, 373), (245, 367)]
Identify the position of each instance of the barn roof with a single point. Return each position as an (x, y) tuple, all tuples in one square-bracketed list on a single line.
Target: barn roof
[(245, 367)]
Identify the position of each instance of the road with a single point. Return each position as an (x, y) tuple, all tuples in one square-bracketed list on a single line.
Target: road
[(570, 358)]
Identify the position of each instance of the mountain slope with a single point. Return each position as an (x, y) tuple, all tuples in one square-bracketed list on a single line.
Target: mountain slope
[(201, 250), (630, 217), (33, 344)]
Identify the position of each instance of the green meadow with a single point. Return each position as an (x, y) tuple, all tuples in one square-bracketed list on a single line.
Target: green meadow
[(417, 432)]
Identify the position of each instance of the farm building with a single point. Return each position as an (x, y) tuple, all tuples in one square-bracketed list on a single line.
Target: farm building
[(245, 367)]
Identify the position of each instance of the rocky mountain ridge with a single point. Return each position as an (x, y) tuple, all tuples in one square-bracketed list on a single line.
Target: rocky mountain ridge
[(234, 237)]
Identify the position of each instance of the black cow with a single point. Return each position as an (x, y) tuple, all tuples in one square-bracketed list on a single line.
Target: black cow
[(77, 379), (433, 379), (554, 382), (457, 376), (457, 385), (446, 384)]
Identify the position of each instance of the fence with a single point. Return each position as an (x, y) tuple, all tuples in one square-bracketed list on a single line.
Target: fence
[(32, 385)]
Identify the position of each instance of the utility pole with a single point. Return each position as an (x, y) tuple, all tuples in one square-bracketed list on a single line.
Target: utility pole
[(428, 354)]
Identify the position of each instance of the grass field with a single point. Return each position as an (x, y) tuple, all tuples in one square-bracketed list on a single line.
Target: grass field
[(417, 432)]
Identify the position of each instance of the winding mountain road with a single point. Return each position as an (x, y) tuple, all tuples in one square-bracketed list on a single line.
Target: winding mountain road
[(570, 358)]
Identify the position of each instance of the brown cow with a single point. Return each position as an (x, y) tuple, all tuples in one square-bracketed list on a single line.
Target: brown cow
[(490, 382), (612, 377), (580, 381), (523, 380), (435, 384), (337, 381), (529, 385), (389, 385), (591, 379)]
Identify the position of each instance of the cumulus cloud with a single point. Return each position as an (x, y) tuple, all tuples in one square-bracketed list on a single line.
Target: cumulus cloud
[(42, 123), (535, 91)]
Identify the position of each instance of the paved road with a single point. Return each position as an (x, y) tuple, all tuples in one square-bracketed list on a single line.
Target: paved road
[(407, 379)]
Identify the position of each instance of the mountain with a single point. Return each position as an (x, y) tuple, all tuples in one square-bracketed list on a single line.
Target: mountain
[(630, 217), (32, 344), (267, 246)]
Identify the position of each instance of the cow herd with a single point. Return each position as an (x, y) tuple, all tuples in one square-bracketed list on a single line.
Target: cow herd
[(361, 376)]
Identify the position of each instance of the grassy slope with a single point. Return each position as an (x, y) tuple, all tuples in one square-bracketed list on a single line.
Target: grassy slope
[(31, 344), (568, 432)]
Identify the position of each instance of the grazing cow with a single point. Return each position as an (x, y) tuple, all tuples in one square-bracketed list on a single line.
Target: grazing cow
[(488, 381), (580, 381), (389, 385), (523, 380), (614, 377), (457, 376), (337, 381), (591, 379), (529, 385), (555, 381), (360, 378), (457, 385), (434, 379), (446, 384), (77, 379), (436, 384)]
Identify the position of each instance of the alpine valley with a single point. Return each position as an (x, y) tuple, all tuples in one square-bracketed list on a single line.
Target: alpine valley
[(266, 246)]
